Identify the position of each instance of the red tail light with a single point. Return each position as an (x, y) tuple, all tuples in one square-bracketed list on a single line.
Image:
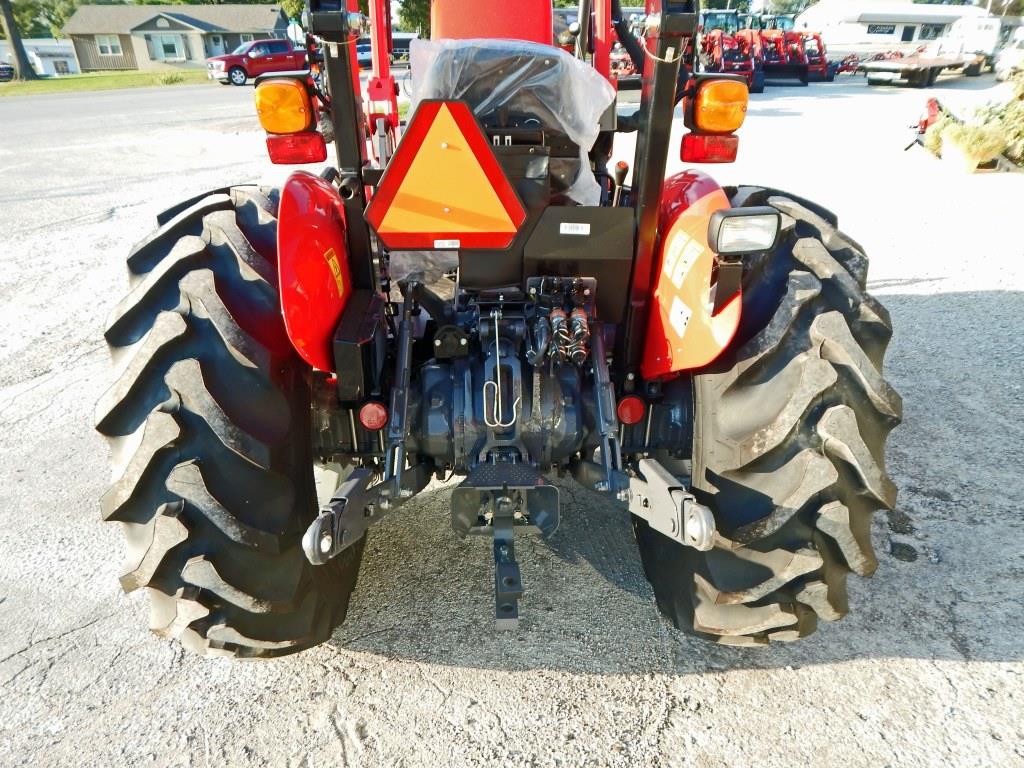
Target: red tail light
[(373, 416), (297, 148), (709, 149), (631, 410)]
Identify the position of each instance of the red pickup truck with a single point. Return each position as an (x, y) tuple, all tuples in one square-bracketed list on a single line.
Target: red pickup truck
[(255, 58)]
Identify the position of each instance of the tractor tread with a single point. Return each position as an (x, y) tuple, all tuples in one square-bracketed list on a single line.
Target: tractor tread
[(788, 448), (208, 425)]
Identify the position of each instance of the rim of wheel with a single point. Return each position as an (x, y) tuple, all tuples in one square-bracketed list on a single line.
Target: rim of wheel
[(237, 76)]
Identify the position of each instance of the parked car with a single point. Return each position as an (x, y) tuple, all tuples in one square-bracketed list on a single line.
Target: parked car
[(1010, 59), (364, 55), (255, 58), (6, 72)]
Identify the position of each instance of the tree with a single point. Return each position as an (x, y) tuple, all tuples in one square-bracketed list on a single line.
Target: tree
[(788, 6), (414, 15), (22, 69), (55, 14)]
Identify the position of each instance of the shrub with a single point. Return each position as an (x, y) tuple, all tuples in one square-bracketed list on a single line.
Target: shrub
[(170, 78), (933, 136), (980, 141)]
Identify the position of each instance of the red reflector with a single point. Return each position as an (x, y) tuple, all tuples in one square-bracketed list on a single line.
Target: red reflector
[(630, 410), (373, 416), (297, 148), (698, 148)]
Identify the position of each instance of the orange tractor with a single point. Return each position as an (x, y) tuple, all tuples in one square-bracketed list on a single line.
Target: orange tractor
[(705, 358)]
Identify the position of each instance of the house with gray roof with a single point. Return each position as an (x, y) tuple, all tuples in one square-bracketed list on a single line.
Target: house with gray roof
[(110, 37)]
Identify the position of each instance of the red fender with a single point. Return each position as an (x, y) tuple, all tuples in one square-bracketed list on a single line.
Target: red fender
[(682, 332), (312, 266)]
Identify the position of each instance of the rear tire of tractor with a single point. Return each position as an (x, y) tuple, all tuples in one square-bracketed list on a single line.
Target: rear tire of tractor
[(789, 441), (209, 424), (758, 86)]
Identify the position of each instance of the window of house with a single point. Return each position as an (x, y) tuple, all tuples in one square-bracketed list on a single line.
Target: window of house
[(61, 67), (908, 33), (247, 37), (931, 31), (109, 45), (166, 48), (881, 29)]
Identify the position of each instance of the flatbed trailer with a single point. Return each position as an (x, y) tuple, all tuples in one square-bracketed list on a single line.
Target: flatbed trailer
[(917, 70)]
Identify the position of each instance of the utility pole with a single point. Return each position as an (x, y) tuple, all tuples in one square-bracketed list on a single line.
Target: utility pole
[(22, 68)]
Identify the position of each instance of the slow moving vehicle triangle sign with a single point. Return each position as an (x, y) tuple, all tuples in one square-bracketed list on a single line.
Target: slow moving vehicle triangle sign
[(444, 188)]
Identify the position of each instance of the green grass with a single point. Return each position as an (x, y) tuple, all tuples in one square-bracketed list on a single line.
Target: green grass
[(104, 81)]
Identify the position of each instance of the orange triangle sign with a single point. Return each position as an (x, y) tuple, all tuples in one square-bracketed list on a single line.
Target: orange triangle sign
[(444, 188)]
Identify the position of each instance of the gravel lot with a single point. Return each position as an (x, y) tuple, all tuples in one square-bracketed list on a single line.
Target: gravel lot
[(927, 670)]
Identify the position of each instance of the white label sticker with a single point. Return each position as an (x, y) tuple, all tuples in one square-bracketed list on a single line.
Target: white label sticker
[(573, 228), (447, 244), (679, 317)]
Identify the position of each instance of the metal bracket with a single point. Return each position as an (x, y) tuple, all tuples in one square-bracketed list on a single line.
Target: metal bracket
[(398, 426), (607, 420), (344, 520), (354, 507), (660, 499), (508, 582)]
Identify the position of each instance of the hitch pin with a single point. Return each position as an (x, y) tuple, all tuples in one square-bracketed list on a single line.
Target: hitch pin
[(495, 422)]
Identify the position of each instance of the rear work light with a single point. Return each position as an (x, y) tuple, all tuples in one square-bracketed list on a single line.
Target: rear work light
[(737, 231), (698, 148), (297, 148)]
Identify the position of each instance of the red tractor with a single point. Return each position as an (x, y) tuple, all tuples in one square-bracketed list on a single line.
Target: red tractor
[(724, 49), (819, 69), (705, 357), (785, 56), (749, 36)]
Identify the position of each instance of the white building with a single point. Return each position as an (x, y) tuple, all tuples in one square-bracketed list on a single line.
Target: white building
[(874, 25), (46, 55)]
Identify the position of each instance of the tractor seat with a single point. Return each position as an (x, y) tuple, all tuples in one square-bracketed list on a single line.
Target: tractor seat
[(522, 85)]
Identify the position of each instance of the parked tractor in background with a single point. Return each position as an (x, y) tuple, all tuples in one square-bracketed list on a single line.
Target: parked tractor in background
[(749, 35), (705, 358), (785, 55), (723, 49), (819, 68)]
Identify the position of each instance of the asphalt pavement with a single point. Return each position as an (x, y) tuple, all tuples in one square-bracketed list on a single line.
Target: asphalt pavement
[(925, 671)]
